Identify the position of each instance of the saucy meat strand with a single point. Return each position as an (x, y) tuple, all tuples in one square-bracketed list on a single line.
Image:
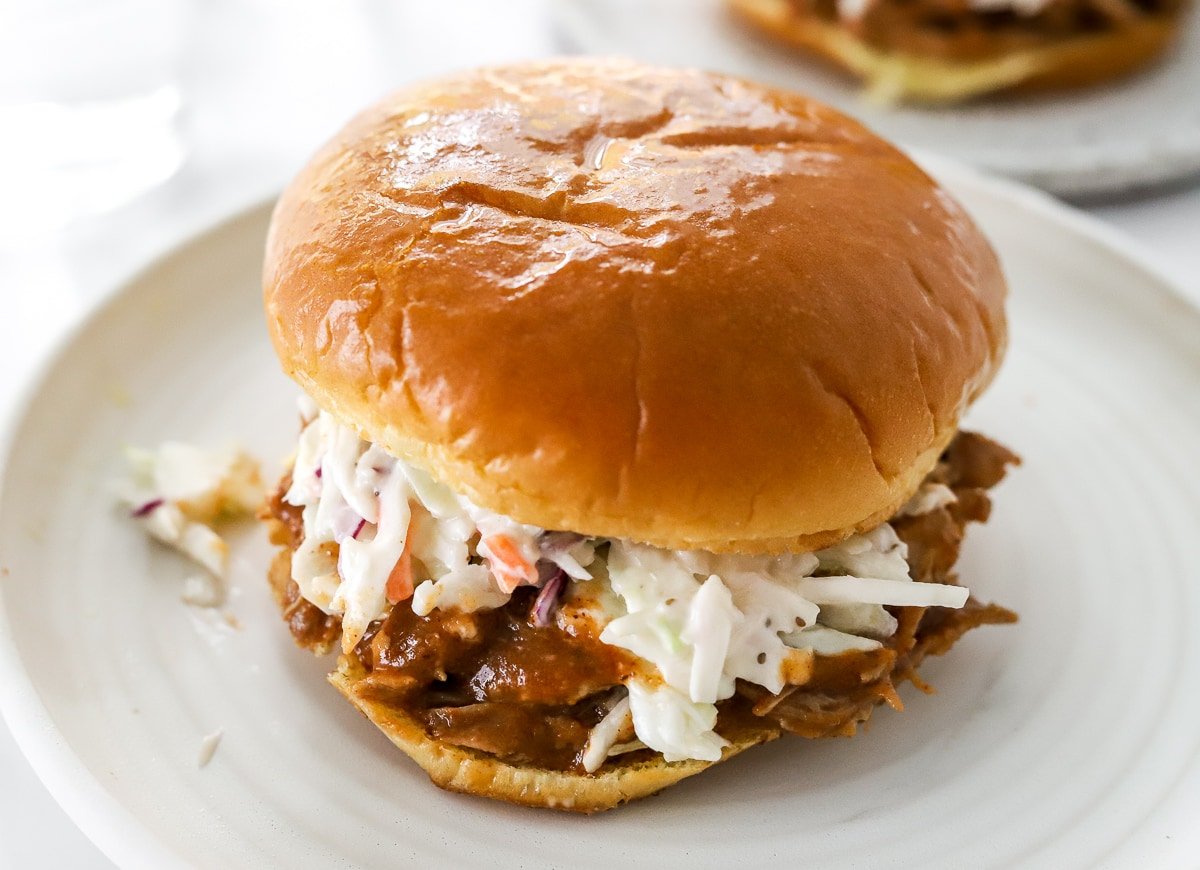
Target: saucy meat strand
[(496, 683)]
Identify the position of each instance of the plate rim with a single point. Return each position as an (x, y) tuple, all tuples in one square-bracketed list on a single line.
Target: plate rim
[(102, 818)]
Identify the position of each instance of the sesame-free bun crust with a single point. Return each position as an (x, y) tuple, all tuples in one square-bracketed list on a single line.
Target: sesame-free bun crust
[(636, 302), (1073, 62), (467, 771)]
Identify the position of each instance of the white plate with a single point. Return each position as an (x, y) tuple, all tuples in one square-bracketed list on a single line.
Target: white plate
[(1065, 740), (1129, 134)]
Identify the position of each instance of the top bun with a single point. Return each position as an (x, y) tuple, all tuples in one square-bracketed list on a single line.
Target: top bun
[(635, 302)]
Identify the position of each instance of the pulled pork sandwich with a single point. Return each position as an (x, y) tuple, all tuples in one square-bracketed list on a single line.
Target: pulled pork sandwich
[(630, 437), (940, 51)]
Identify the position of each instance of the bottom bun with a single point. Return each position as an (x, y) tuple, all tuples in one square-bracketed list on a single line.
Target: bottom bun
[(895, 76), (463, 770)]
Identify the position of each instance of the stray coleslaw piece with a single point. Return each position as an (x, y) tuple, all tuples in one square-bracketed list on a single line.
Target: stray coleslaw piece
[(202, 590), (208, 748), (178, 492), (207, 486)]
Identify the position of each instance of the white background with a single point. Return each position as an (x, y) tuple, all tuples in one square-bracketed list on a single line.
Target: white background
[(266, 82)]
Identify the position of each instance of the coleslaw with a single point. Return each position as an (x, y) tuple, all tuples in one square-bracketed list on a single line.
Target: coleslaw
[(695, 621)]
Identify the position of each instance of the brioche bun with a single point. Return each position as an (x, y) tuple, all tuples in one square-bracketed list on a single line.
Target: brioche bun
[(634, 302), (1079, 61)]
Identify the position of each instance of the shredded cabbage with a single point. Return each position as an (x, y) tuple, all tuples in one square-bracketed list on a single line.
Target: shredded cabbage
[(709, 629), (668, 722), (928, 498), (871, 590), (867, 620), (603, 736), (877, 553), (829, 641), (468, 589)]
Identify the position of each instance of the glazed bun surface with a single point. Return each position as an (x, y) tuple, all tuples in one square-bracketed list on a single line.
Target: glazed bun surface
[(636, 302)]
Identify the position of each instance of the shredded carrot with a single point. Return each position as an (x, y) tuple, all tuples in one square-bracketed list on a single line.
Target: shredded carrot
[(400, 581), (508, 565), (505, 549)]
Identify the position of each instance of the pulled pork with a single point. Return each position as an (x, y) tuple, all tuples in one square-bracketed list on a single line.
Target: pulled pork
[(497, 683)]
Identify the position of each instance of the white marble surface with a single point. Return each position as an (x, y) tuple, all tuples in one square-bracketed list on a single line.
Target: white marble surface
[(266, 82)]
